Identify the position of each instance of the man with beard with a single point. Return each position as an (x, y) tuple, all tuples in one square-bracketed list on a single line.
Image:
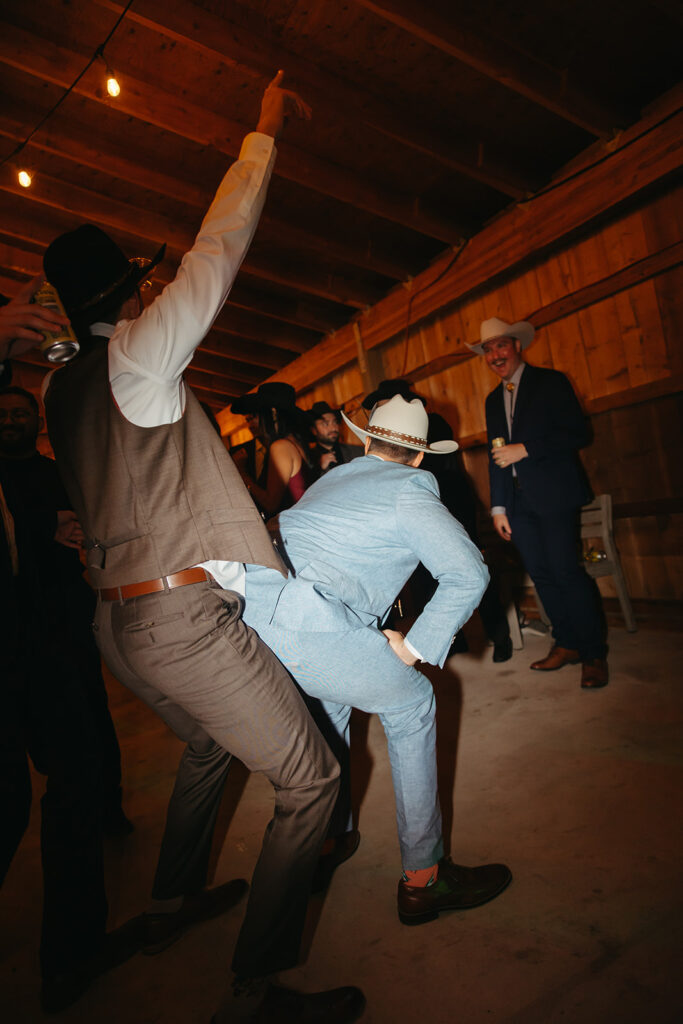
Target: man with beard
[(329, 451)]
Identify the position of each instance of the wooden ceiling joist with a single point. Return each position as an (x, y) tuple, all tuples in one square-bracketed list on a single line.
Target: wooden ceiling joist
[(201, 30), (521, 72), (114, 214), (257, 353), (74, 143), (144, 100), (647, 152)]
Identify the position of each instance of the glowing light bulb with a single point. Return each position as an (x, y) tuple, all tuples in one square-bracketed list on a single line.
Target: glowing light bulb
[(24, 179), (113, 87)]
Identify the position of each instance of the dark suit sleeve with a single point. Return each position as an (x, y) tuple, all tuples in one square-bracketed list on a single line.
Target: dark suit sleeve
[(566, 429)]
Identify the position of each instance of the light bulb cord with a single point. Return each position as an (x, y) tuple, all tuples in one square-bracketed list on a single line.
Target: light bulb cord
[(99, 52)]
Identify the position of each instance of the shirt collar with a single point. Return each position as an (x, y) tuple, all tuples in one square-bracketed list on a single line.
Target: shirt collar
[(101, 330), (515, 378)]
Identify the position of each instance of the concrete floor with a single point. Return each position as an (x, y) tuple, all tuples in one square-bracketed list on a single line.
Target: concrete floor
[(579, 792)]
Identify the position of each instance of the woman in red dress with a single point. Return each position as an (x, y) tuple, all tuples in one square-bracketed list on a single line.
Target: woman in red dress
[(284, 427)]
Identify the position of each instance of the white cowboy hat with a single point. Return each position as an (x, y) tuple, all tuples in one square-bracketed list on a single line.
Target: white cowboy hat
[(404, 423), (494, 328)]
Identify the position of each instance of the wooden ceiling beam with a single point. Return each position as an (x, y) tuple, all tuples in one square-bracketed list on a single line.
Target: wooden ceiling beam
[(216, 382), (74, 142), (238, 373), (547, 87), (254, 326), (648, 152), (300, 311), (244, 350), (25, 225), (256, 53), (217, 398), (316, 280), (157, 228), (142, 99)]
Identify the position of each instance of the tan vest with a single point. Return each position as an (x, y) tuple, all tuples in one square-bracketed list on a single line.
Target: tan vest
[(151, 500)]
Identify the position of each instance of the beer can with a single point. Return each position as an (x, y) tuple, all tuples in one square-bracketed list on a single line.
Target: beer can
[(498, 442), (60, 345)]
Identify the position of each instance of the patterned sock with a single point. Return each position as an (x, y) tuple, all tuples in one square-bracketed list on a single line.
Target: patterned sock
[(422, 877)]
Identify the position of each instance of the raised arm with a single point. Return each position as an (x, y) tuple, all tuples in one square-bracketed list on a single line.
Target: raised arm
[(161, 342)]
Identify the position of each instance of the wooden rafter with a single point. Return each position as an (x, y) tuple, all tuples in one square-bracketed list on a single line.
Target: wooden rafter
[(649, 151), (520, 72), (143, 99), (257, 54), (115, 214), (75, 143)]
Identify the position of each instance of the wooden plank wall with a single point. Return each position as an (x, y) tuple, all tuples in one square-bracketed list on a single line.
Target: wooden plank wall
[(623, 355)]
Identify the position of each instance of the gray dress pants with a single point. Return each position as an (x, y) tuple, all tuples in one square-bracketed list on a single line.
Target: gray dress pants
[(188, 654)]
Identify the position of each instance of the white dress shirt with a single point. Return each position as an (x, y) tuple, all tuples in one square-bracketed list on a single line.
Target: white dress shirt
[(148, 355), (509, 399)]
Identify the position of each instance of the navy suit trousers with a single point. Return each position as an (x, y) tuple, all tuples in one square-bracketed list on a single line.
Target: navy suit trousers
[(548, 546)]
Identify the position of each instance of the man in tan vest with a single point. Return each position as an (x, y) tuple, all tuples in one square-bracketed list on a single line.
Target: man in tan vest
[(169, 526)]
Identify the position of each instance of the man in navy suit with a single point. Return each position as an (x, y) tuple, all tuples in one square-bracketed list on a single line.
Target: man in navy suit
[(537, 489)]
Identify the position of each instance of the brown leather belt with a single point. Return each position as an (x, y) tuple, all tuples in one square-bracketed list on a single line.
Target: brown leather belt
[(177, 579)]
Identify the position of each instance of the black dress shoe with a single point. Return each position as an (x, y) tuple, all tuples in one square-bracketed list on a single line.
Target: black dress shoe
[(59, 991), (336, 1006), (456, 888), (162, 930), (344, 847), (503, 650)]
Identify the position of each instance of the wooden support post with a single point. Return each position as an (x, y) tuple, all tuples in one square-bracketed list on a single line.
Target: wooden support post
[(370, 363)]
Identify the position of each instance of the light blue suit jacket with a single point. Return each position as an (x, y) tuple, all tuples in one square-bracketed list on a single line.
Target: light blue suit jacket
[(353, 540)]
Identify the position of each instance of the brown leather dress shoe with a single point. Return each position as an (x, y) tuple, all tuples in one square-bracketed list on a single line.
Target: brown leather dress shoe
[(456, 888), (556, 658), (594, 674)]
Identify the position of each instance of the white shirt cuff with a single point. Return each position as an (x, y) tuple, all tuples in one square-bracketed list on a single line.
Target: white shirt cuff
[(412, 650), (498, 510)]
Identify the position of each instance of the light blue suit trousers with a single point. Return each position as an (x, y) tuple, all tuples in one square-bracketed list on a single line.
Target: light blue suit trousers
[(352, 542)]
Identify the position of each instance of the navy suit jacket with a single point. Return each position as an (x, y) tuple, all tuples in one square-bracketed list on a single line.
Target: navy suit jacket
[(550, 423)]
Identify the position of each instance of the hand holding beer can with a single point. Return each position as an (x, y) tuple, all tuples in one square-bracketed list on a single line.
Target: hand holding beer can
[(60, 345)]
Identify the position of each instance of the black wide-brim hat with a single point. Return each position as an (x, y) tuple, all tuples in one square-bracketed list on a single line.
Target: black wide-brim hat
[(387, 389), (273, 394), (88, 269), (246, 405), (320, 409)]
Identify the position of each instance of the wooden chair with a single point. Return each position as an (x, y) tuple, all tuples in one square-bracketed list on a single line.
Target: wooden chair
[(596, 523)]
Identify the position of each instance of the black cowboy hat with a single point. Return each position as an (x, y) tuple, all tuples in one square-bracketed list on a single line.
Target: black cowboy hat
[(246, 405), (389, 388), (273, 394), (320, 409), (88, 269)]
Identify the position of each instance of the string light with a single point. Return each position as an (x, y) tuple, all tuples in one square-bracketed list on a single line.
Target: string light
[(113, 88)]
